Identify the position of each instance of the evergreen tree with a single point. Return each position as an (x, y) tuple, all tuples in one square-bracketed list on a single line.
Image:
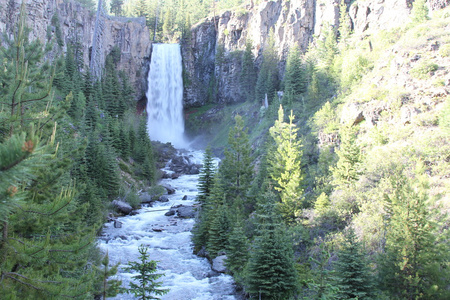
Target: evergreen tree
[(270, 270), (353, 278), (248, 73), (44, 245), (268, 81), (147, 286), (237, 252), (236, 167), (218, 231), (347, 170), (419, 12), (110, 287), (285, 168), (116, 7), (205, 180), (294, 78), (327, 47), (344, 24), (413, 265), (25, 79)]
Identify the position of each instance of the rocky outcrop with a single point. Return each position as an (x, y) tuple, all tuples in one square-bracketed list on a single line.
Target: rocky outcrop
[(293, 22), (75, 24)]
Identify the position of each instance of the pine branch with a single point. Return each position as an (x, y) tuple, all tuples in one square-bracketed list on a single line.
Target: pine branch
[(14, 163)]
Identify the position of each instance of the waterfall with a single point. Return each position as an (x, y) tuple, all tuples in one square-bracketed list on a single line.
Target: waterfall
[(165, 95)]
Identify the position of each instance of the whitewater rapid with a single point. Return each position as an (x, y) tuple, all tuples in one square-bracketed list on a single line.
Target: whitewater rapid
[(186, 275)]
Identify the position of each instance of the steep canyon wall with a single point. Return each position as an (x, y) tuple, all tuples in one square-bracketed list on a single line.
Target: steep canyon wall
[(293, 22), (76, 24)]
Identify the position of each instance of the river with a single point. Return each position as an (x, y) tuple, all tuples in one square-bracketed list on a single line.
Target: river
[(186, 275)]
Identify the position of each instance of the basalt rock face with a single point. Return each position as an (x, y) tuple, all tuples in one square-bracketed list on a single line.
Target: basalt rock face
[(293, 22), (46, 18)]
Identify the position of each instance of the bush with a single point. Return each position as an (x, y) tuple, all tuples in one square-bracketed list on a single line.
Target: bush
[(444, 50), (423, 69)]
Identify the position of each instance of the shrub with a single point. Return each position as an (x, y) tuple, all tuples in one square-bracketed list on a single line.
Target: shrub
[(444, 50), (423, 69)]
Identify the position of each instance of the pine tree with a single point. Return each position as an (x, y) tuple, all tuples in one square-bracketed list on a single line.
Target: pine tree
[(109, 287), (44, 245), (218, 231), (268, 81), (347, 170), (236, 167), (344, 24), (248, 73), (353, 278), (270, 270), (419, 12), (285, 168), (147, 277), (237, 252), (26, 79), (116, 7), (294, 78), (413, 265), (205, 180)]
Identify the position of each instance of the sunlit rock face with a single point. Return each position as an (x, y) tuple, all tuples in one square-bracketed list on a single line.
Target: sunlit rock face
[(76, 24), (293, 22)]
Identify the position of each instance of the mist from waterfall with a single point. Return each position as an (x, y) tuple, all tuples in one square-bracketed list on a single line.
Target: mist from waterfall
[(165, 96)]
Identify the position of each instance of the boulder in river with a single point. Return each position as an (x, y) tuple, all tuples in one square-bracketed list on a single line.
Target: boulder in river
[(122, 207), (145, 197), (117, 224), (186, 212), (163, 198), (218, 264), (185, 197), (171, 212), (169, 188)]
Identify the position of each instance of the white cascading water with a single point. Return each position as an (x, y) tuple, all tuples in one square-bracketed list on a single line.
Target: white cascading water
[(187, 276), (165, 95)]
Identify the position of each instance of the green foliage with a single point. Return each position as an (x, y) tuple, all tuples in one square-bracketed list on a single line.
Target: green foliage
[(344, 24), (205, 180), (115, 7), (294, 78), (109, 287), (444, 50), (285, 168), (444, 119), (26, 79), (268, 81), (353, 277), (248, 72), (55, 22), (419, 12), (423, 69), (270, 270), (218, 231), (147, 285), (237, 252), (347, 170), (236, 167), (415, 258)]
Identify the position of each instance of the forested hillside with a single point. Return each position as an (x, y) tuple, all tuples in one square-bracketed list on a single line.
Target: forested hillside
[(69, 144), (336, 188)]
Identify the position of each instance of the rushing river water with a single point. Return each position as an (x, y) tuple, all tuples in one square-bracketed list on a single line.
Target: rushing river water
[(186, 275)]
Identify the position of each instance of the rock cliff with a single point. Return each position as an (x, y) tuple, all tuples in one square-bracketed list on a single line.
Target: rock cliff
[(293, 22), (75, 24)]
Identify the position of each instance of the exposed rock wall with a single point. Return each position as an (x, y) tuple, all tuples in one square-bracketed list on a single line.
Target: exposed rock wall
[(293, 22), (77, 25)]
